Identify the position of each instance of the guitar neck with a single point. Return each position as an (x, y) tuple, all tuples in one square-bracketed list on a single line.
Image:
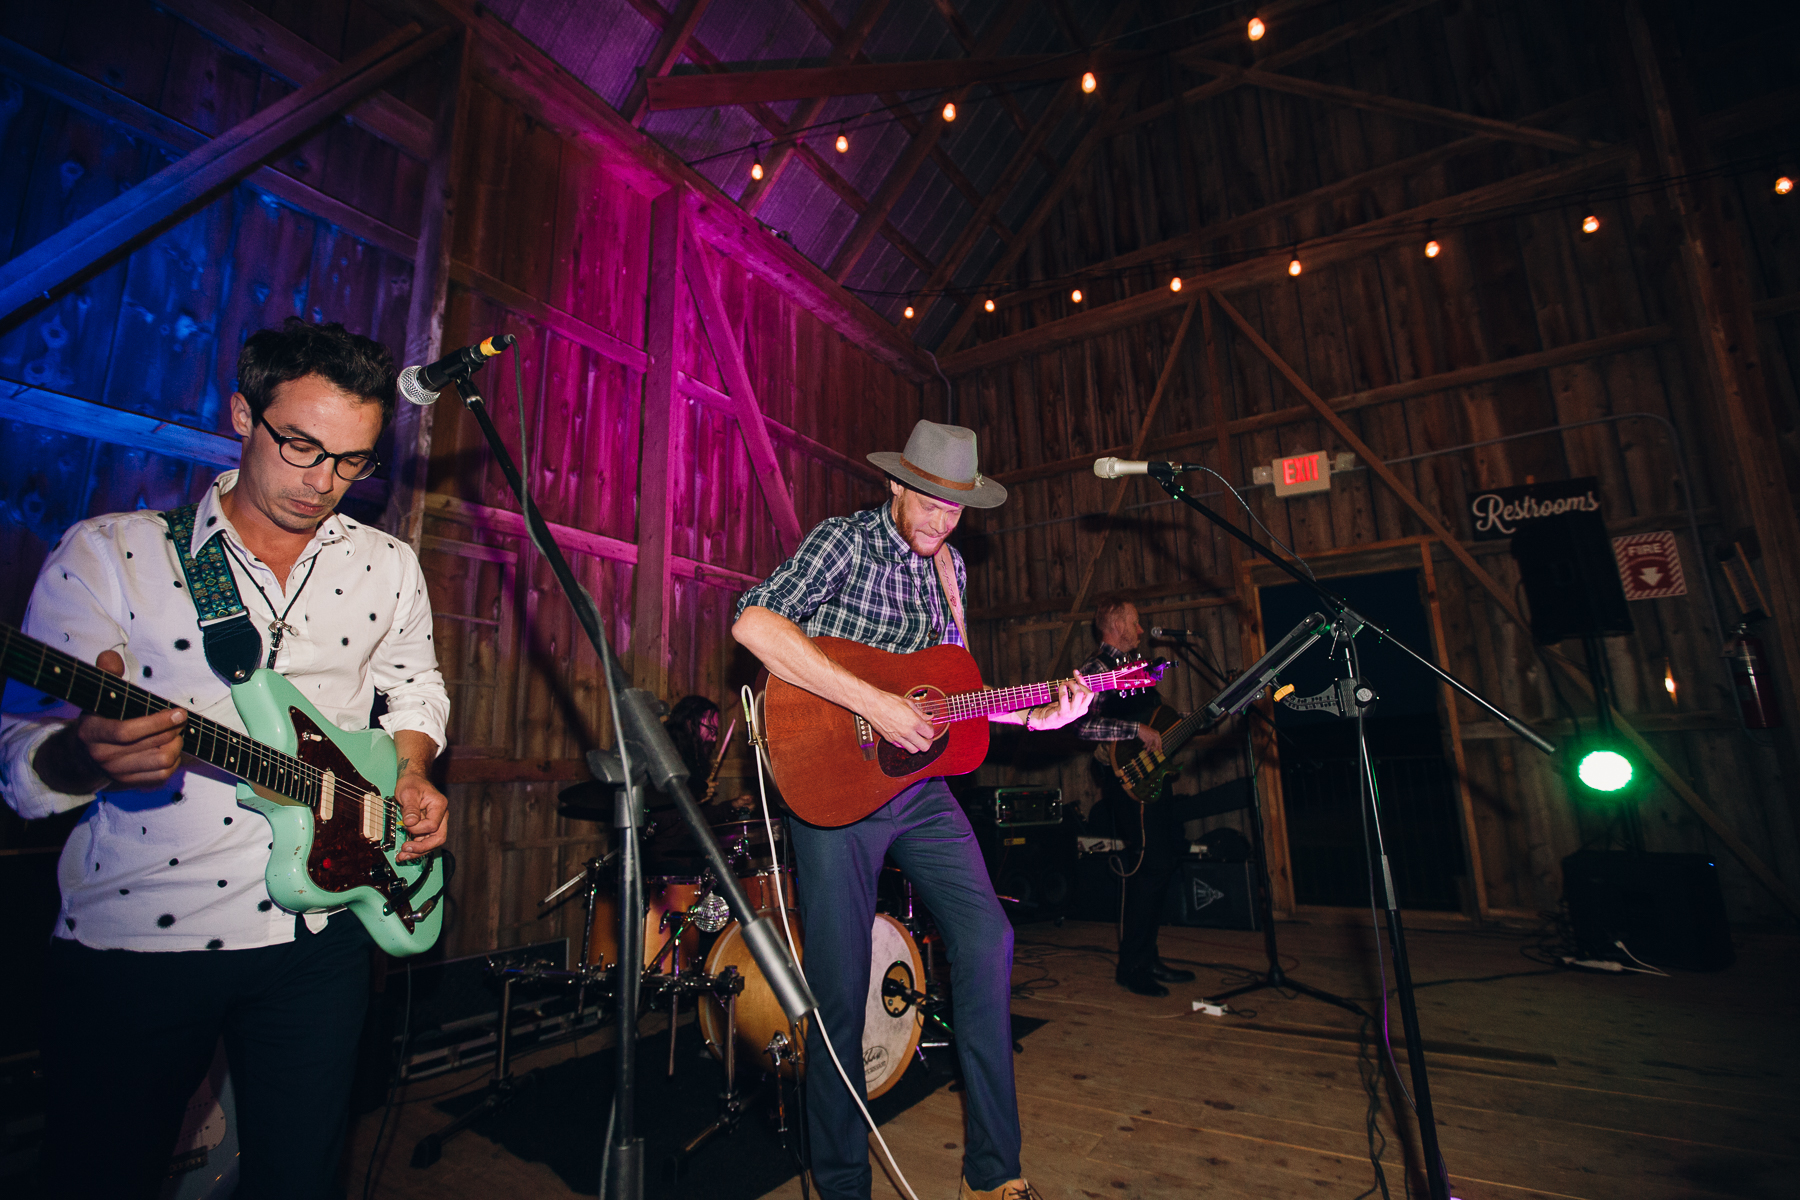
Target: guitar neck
[(968, 706), (106, 695)]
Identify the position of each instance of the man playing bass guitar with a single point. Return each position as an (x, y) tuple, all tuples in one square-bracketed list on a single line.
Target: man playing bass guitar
[(168, 939), (885, 577), (1151, 832)]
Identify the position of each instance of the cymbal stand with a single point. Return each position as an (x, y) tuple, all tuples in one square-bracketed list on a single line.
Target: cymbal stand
[(732, 1105), (933, 1004)]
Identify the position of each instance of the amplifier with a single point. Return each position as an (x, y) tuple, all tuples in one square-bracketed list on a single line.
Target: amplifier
[(1005, 807), (1668, 909), (1212, 895)]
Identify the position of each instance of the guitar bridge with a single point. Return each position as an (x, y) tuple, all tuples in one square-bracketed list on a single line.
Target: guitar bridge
[(865, 737)]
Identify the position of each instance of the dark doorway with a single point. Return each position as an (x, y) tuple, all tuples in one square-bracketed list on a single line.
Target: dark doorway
[(1318, 755)]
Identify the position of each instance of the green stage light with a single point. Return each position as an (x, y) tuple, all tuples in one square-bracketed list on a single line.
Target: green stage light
[(1604, 770)]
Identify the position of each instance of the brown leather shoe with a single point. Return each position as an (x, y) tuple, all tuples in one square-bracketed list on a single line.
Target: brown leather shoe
[(1012, 1189)]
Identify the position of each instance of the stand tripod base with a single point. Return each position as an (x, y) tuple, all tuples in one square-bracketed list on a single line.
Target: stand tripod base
[(1276, 978), (430, 1148)]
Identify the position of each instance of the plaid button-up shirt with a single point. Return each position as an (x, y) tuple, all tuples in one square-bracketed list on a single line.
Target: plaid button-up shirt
[(855, 577), (1097, 726)]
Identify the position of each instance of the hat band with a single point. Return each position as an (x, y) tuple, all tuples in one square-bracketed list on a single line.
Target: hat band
[(922, 473)]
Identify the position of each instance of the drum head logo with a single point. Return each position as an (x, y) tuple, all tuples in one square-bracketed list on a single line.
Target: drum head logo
[(875, 1064)]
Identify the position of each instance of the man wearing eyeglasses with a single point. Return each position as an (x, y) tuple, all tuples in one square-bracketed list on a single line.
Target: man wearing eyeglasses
[(167, 939)]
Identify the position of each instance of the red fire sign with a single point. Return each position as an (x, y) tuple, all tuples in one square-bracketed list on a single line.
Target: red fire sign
[(1649, 566)]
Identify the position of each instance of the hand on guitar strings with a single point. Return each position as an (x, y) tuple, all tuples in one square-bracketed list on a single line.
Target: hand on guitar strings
[(1151, 738), (94, 752), (422, 806), (899, 720), (1073, 699)]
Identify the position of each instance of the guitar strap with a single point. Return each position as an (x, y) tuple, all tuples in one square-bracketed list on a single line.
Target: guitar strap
[(946, 573), (229, 637)]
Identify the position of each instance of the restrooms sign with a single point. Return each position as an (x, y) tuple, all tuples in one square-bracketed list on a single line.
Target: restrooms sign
[(1499, 512)]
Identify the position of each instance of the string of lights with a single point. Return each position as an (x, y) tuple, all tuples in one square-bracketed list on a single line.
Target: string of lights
[(1080, 283)]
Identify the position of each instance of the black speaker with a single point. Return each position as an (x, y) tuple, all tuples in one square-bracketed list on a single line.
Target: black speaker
[(1571, 578), (1212, 895), (1032, 865), (1668, 909)]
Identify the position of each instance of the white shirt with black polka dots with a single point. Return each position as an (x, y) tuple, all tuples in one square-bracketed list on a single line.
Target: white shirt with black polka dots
[(181, 867)]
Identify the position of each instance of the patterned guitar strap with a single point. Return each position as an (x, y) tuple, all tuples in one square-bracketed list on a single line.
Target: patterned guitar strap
[(946, 573), (229, 637)]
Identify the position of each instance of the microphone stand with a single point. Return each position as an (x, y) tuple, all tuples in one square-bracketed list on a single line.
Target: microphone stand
[(1351, 697), (644, 752)]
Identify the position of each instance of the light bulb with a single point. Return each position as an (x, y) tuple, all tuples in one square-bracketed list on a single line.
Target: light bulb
[(1088, 82), (950, 112), (1590, 224), (1175, 284), (909, 312), (1294, 267), (1784, 185), (1257, 29), (756, 171), (1669, 680), (843, 144), (1075, 295), (1432, 249), (989, 306)]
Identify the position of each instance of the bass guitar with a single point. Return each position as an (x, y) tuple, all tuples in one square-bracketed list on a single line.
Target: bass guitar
[(831, 765), (327, 793), (1144, 774)]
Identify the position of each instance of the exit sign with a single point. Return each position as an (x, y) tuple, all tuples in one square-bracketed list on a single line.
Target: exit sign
[(1302, 473)]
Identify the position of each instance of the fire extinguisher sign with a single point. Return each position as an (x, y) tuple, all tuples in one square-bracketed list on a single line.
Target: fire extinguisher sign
[(1649, 566)]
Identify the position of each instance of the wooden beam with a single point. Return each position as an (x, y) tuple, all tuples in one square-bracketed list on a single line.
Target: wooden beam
[(70, 414), (675, 35), (88, 244), (1425, 385), (959, 29), (1298, 52), (405, 513), (1411, 110), (548, 315), (729, 356), (1199, 592), (706, 393), (1503, 599), (936, 74), (658, 447), (286, 55), (917, 150), (1118, 500), (844, 47), (102, 103), (1342, 246), (502, 522)]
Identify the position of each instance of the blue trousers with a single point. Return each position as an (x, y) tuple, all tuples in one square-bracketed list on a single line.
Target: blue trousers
[(128, 1036), (928, 837)]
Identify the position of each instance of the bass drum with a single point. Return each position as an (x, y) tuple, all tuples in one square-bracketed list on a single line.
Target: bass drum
[(891, 1025)]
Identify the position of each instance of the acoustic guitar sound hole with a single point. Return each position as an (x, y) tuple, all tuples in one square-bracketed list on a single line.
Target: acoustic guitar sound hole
[(897, 763)]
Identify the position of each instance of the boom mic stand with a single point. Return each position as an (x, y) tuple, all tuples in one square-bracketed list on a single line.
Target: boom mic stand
[(1350, 697), (644, 753)]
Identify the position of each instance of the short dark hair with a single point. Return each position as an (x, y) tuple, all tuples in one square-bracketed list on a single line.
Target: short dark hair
[(351, 363), (1107, 607)]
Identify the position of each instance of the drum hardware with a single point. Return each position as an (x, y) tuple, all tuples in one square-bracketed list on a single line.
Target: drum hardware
[(502, 1089)]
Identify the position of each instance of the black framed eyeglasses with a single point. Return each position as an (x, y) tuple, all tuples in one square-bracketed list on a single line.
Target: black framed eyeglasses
[(304, 452)]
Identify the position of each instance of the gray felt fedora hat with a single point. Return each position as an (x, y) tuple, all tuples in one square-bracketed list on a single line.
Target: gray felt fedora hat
[(939, 460)]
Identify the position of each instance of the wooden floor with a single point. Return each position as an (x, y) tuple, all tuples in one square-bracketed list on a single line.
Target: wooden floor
[(1556, 1084)]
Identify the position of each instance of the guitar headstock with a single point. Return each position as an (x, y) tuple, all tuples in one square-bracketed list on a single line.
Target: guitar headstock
[(1136, 676)]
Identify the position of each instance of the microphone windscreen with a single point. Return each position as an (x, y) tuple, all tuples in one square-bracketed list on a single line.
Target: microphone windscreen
[(410, 387)]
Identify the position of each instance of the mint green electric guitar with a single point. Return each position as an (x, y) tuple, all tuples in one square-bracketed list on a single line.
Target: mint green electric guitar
[(327, 793)]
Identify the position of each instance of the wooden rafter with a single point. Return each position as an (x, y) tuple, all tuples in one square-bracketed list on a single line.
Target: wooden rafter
[(1393, 106), (959, 29), (866, 79), (913, 157), (658, 444), (1504, 600), (86, 245), (1342, 246), (821, 18), (765, 116), (1118, 500), (730, 357), (844, 47), (669, 46)]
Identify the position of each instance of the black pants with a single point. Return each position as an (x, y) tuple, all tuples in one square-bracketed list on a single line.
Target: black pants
[(1153, 830), (128, 1036)]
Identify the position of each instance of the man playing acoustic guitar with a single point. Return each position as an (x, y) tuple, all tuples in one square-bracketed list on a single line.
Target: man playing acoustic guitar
[(168, 939), (887, 578)]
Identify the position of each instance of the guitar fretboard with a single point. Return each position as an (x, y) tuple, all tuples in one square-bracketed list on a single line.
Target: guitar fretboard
[(92, 690), (966, 706)]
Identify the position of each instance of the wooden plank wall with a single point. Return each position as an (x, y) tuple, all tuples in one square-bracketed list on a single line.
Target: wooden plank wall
[(548, 243), (1510, 285)]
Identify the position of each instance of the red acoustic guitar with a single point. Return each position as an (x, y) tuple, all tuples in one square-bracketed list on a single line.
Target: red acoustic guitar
[(833, 768)]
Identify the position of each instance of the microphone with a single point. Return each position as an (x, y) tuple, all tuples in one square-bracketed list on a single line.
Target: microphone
[(421, 385), (1116, 468), (1172, 635)]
